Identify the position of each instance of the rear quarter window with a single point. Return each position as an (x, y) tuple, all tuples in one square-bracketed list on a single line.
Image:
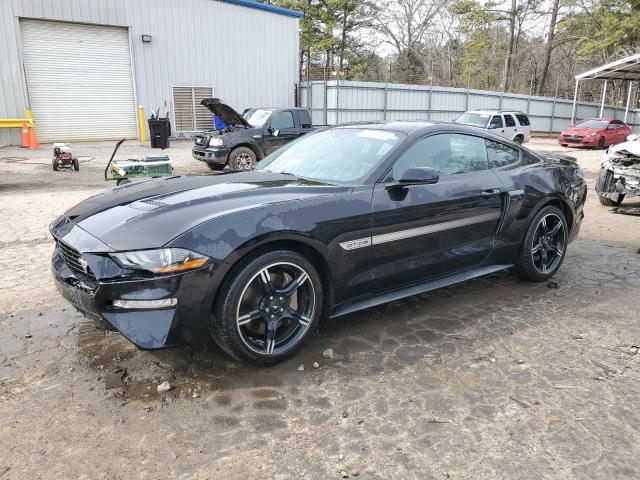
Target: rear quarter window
[(523, 119), (501, 155), (529, 158)]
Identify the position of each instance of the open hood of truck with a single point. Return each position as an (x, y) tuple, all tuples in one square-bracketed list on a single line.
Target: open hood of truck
[(223, 111)]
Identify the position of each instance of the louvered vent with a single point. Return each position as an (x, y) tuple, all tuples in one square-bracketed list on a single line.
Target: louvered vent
[(189, 115)]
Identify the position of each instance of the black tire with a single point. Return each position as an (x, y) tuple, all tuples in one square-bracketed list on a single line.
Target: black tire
[(601, 142), (76, 165), (604, 184), (242, 158), (564, 145), (518, 139), (216, 167), (608, 202), (244, 335), (55, 163), (122, 181), (530, 263)]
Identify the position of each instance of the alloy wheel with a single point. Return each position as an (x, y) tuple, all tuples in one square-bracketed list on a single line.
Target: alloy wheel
[(275, 309), (549, 242), (244, 161)]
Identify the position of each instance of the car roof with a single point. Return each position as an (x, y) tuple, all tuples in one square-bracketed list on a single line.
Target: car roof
[(394, 125), (600, 119), (493, 112), (411, 127)]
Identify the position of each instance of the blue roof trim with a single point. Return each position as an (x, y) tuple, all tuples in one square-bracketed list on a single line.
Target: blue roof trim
[(266, 7)]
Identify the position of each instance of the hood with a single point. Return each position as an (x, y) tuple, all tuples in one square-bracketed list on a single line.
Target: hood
[(150, 214), (223, 111), (580, 130), (626, 149)]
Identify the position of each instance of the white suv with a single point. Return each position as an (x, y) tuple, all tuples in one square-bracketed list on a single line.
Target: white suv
[(512, 125)]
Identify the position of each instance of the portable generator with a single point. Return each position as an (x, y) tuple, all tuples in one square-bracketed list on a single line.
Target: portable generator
[(63, 157)]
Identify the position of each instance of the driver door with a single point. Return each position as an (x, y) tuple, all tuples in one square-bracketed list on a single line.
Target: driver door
[(425, 231), (279, 131)]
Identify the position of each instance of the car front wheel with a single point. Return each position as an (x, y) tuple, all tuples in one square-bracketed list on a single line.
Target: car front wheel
[(242, 158), (268, 307), (544, 245)]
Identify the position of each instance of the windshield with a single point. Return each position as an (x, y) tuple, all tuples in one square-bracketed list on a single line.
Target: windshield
[(473, 119), (592, 124), (337, 155), (257, 117)]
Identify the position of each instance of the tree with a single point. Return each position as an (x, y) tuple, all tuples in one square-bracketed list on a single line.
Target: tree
[(404, 25), (512, 34), (548, 49)]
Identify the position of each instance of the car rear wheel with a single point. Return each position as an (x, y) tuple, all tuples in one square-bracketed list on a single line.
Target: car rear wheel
[(544, 245), (518, 139), (601, 142), (242, 158), (268, 307)]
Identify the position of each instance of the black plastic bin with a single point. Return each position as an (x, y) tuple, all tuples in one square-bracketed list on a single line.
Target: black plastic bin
[(160, 131)]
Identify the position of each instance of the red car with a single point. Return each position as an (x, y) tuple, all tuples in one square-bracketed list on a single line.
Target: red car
[(595, 133)]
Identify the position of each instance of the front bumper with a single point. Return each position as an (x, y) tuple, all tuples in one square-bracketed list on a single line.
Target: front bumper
[(148, 329), (217, 155), (578, 142)]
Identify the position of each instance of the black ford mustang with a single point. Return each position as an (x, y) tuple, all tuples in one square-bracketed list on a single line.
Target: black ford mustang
[(337, 221)]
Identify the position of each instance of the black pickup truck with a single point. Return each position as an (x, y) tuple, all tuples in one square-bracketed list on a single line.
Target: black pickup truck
[(249, 137)]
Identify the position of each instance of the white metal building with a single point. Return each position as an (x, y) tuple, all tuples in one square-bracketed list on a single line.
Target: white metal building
[(84, 66)]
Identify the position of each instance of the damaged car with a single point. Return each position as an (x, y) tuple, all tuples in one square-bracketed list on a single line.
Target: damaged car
[(619, 176), (249, 137), (339, 220)]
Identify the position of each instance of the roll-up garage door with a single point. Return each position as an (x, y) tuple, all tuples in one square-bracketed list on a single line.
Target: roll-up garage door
[(79, 80)]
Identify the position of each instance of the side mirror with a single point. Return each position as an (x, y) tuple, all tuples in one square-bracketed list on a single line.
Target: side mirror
[(492, 126), (274, 132), (417, 176)]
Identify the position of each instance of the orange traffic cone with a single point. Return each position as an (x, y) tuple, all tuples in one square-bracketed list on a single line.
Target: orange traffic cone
[(33, 140), (25, 135)]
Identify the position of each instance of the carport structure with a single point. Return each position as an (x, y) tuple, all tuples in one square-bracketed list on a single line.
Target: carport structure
[(627, 69)]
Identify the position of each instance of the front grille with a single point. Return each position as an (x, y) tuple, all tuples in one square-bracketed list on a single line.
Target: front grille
[(573, 138), (72, 258)]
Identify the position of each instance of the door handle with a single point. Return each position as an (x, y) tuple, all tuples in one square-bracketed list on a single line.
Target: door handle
[(491, 193)]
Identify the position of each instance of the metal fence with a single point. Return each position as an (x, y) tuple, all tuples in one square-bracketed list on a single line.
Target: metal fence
[(338, 101)]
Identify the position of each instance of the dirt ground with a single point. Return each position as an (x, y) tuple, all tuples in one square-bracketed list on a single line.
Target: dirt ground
[(492, 379)]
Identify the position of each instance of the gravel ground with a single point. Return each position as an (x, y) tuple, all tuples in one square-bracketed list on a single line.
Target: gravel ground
[(495, 378)]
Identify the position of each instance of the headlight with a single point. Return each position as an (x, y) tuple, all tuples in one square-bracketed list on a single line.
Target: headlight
[(216, 142), (163, 260)]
